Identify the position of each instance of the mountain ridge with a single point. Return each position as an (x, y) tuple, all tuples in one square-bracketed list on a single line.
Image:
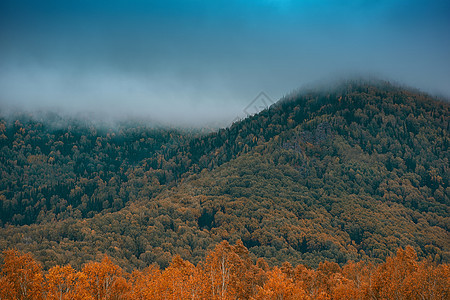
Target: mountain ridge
[(316, 176)]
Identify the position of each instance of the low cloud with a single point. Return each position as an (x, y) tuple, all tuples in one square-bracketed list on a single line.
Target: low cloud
[(188, 62)]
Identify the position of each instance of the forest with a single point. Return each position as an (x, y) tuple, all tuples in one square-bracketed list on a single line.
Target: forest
[(346, 174), (227, 272)]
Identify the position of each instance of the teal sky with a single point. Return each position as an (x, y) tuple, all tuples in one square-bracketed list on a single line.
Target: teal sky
[(198, 62)]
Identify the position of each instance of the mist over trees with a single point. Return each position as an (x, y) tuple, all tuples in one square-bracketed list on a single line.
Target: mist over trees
[(350, 174)]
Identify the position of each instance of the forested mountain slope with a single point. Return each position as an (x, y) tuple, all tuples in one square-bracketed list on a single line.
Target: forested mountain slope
[(346, 174)]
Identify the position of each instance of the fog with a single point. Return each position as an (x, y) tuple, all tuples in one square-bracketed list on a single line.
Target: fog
[(196, 63)]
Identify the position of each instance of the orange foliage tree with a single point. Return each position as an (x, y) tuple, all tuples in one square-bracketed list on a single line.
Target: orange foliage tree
[(21, 277), (143, 283), (181, 280), (106, 280), (280, 287), (64, 283), (403, 277), (230, 272)]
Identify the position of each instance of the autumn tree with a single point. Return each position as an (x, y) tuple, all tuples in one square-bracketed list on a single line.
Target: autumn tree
[(390, 280), (428, 281), (220, 266), (64, 283), (181, 280), (143, 283), (280, 287), (105, 280), (355, 283), (21, 277)]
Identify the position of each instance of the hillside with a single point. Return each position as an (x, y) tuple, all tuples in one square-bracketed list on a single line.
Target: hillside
[(351, 173)]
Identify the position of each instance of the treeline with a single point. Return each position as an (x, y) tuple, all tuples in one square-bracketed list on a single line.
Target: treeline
[(227, 272)]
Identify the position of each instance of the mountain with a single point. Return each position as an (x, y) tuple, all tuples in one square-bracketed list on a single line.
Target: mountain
[(345, 173)]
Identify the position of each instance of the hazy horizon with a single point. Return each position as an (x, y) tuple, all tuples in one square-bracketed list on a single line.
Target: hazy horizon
[(202, 62)]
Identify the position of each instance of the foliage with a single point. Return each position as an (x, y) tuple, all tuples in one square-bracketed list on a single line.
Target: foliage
[(227, 273), (348, 174)]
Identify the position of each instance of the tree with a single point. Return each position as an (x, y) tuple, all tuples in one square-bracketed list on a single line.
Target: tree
[(280, 287), (64, 283), (181, 280), (21, 277), (428, 282), (391, 277), (143, 283), (219, 266), (231, 273), (105, 280)]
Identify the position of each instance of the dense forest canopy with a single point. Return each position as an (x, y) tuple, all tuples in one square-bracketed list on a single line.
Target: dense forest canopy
[(349, 173)]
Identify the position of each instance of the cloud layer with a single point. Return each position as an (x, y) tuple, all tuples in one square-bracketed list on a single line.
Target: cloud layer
[(197, 62)]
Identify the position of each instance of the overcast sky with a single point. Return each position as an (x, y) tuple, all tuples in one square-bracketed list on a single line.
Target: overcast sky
[(199, 62)]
